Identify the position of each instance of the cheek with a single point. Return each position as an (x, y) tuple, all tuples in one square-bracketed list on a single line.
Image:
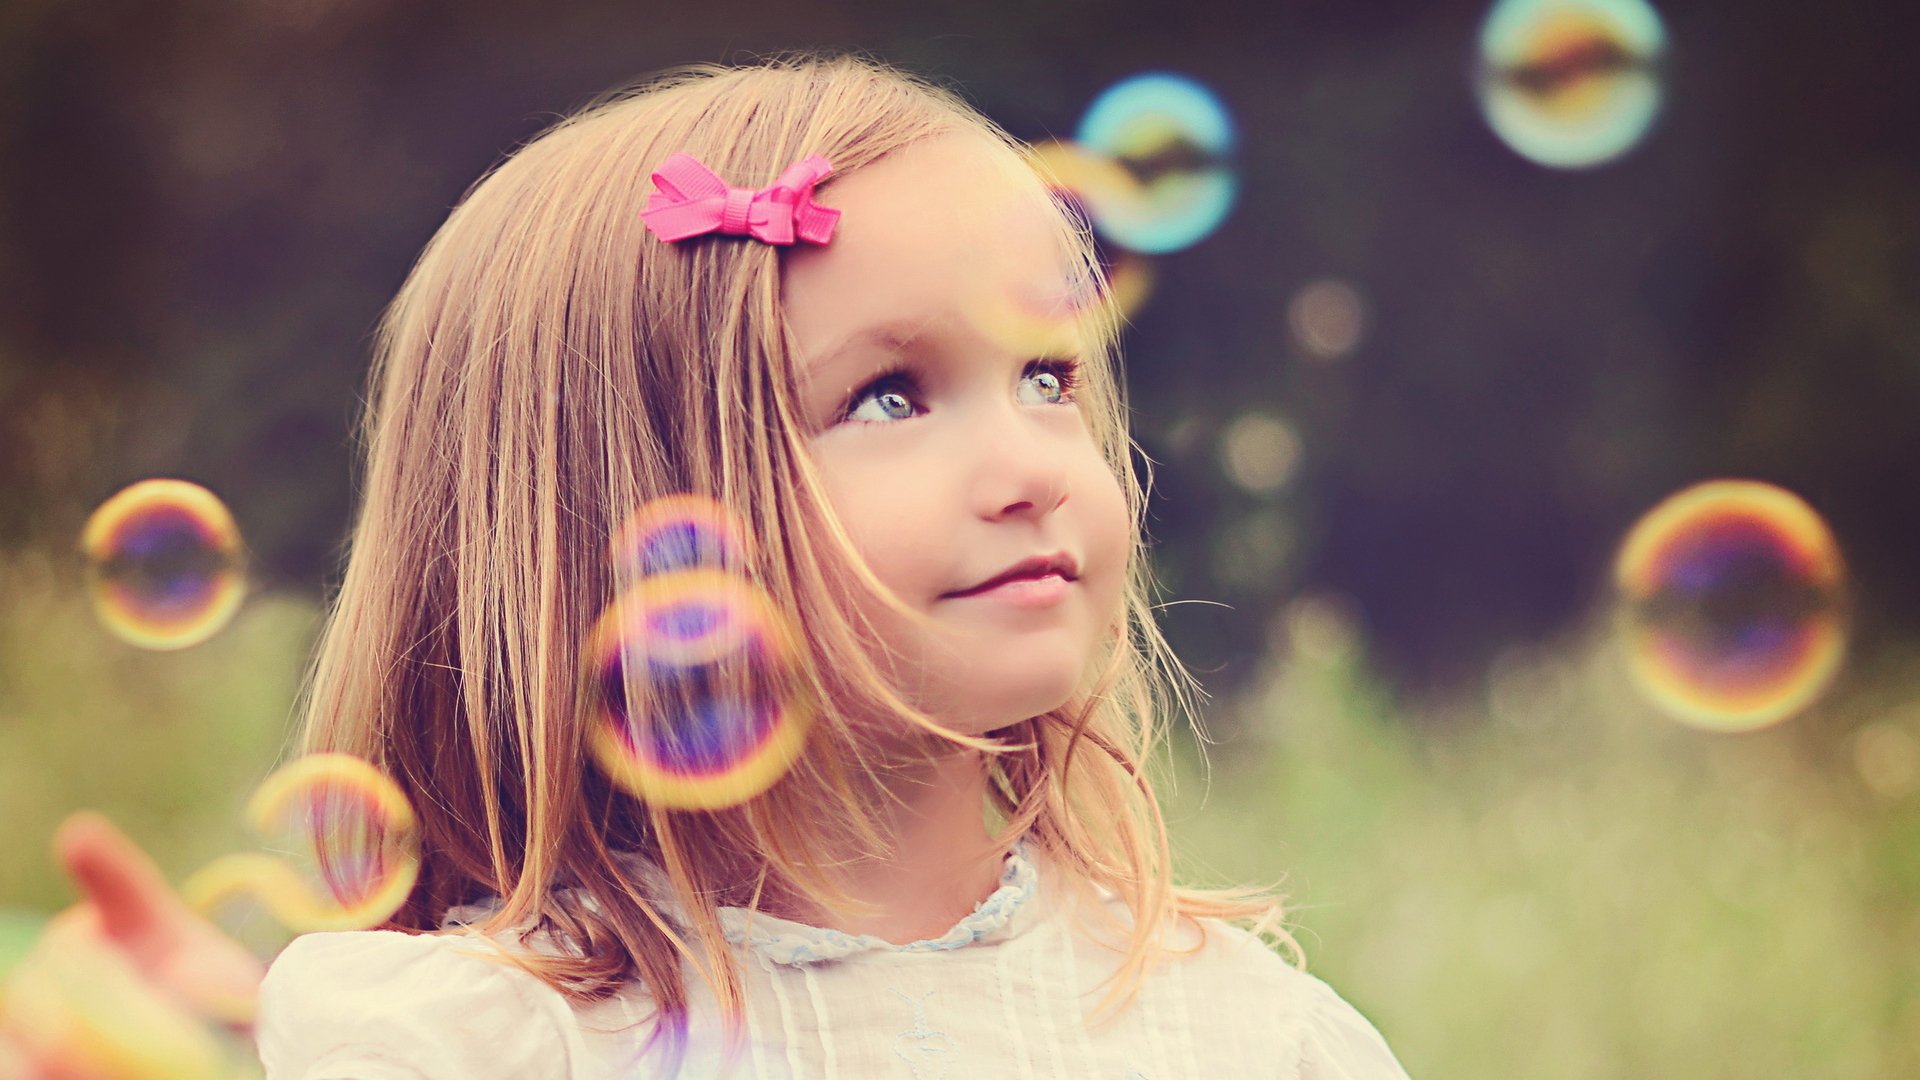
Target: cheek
[(883, 517), (1108, 536)]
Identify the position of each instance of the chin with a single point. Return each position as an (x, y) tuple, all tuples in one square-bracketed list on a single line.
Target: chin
[(980, 710)]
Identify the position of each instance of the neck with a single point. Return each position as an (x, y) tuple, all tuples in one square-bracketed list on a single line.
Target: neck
[(941, 861)]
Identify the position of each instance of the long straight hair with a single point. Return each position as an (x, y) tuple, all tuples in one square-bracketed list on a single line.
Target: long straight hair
[(547, 368)]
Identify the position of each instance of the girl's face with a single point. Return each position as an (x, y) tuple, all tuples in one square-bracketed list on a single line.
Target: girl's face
[(948, 434)]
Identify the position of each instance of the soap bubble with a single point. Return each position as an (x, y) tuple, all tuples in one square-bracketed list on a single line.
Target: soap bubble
[(1175, 139), (345, 848), (1570, 83), (1098, 186), (678, 532), (695, 703), (165, 564), (1733, 604)]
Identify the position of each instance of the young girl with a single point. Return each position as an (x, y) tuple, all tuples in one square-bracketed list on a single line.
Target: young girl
[(859, 352)]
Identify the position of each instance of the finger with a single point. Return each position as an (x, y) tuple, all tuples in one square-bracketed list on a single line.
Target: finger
[(128, 889)]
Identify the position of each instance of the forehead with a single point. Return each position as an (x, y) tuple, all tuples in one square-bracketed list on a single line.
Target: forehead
[(946, 231)]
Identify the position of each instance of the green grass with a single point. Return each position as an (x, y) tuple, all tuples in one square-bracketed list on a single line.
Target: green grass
[(1555, 881)]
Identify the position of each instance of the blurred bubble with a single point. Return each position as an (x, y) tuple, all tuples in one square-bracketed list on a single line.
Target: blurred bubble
[(80, 1009), (1732, 596), (678, 532), (1175, 138), (1327, 318), (1887, 757), (1570, 83), (344, 848), (165, 564), (696, 705), (1099, 187), (1260, 452)]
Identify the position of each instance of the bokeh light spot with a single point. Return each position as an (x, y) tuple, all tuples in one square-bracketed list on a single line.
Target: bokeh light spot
[(1328, 319), (1260, 452)]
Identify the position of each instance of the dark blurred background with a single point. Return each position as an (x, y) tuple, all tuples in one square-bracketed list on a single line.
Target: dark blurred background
[(203, 207)]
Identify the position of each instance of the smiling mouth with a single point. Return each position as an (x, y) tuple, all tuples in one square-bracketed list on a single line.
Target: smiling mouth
[(1037, 568)]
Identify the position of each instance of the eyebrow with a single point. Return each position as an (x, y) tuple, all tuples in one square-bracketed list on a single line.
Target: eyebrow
[(894, 335)]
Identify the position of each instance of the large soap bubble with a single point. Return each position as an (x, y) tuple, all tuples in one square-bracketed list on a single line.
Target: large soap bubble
[(165, 563), (345, 848), (694, 698), (1175, 141), (1733, 604), (1570, 83)]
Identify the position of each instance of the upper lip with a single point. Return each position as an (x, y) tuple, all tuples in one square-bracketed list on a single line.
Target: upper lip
[(1058, 562)]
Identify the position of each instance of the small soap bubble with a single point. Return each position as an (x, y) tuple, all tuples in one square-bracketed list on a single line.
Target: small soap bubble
[(343, 848), (1570, 83), (695, 703), (1733, 605), (678, 532), (165, 564), (1176, 140)]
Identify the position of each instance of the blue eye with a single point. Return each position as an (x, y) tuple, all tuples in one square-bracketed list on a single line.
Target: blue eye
[(891, 390), (1057, 380), (891, 394)]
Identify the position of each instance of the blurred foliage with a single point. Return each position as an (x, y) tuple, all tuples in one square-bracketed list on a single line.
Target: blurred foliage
[(1577, 888)]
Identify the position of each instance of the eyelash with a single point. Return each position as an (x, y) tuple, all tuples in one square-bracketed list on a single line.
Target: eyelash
[(1066, 370)]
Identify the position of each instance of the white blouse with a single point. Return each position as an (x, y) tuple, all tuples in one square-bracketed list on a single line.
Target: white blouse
[(1002, 994)]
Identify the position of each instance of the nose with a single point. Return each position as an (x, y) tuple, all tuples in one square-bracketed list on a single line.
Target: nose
[(1021, 470)]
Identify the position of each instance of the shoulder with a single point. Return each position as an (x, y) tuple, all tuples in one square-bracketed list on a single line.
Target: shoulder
[(375, 1004), (1318, 1027)]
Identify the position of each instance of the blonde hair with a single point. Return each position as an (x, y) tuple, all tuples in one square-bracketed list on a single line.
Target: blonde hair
[(546, 369)]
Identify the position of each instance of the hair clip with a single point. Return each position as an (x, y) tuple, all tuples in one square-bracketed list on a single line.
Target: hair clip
[(692, 201)]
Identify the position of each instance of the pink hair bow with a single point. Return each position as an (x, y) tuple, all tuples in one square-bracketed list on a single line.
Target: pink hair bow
[(691, 201)]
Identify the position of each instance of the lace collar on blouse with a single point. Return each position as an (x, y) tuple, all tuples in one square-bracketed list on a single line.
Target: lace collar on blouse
[(1003, 914), (785, 941)]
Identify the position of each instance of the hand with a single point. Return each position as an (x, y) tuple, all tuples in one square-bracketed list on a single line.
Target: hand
[(128, 921)]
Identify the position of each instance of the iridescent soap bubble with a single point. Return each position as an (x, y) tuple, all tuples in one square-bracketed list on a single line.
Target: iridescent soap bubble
[(678, 532), (1570, 83), (165, 563), (1095, 185), (345, 848), (1733, 604), (1176, 139), (695, 703)]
